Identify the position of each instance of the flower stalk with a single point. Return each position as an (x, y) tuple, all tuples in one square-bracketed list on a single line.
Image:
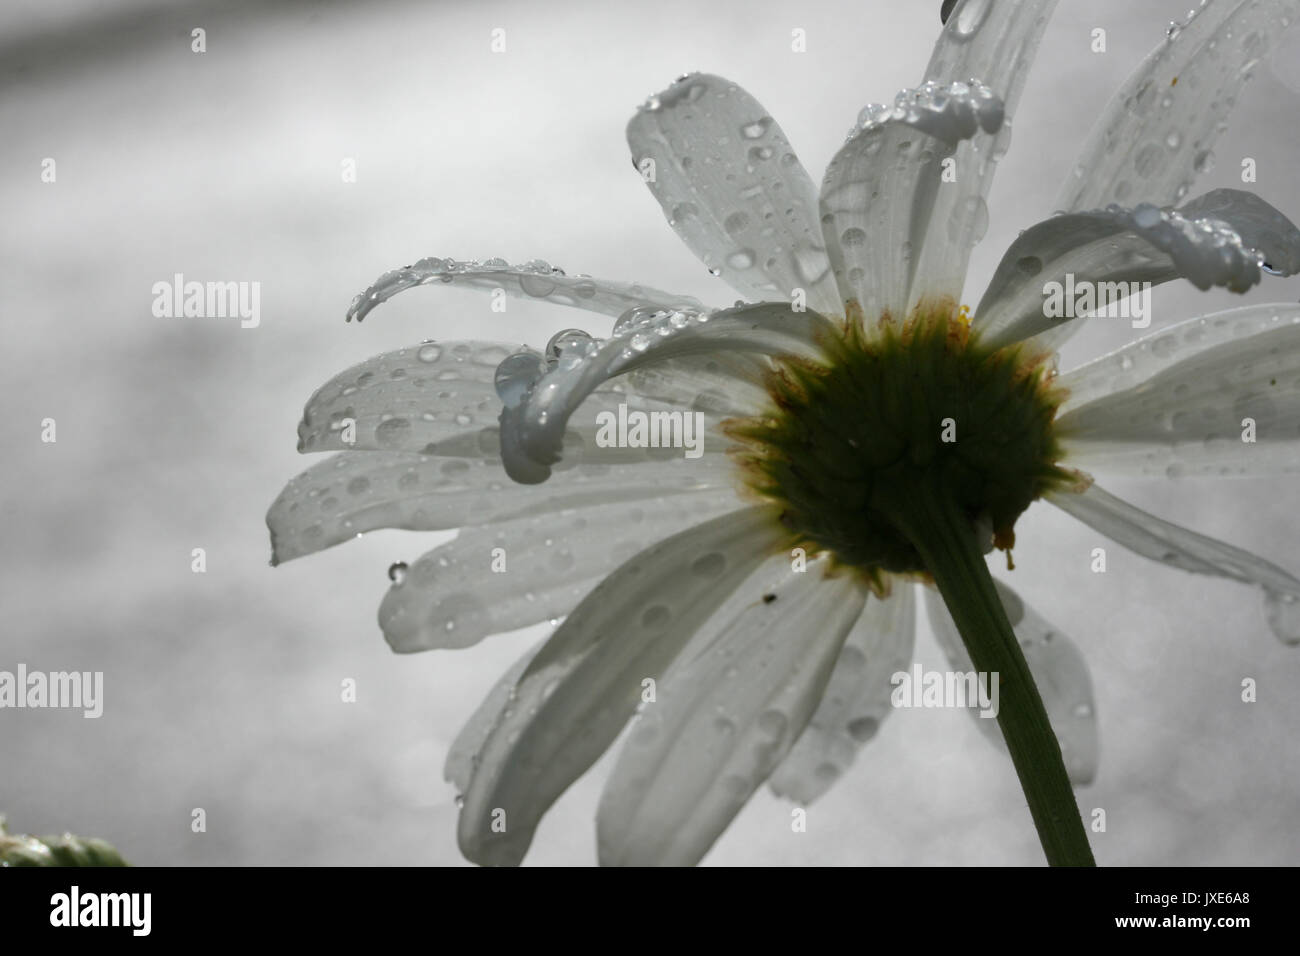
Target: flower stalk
[(950, 548)]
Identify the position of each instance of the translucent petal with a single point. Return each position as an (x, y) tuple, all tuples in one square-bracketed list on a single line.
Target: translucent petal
[(532, 431), (514, 573), (1205, 404), (1156, 135), (725, 715), (719, 384), (993, 41), (733, 189), (533, 280), (1140, 360), (449, 405), (348, 494), (1178, 547), (1059, 670), (879, 190), (406, 399), (462, 756), (584, 684), (1119, 245), (857, 697)]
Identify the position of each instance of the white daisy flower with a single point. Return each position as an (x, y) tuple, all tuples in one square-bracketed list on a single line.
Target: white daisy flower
[(860, 435)]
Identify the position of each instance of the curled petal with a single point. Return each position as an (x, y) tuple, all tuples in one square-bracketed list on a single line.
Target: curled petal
[(726, 713), (1156, 136), (879, 191), (1178, 547), (857, 697), (995, 41), (533, 280), (582, 686), (1060, 672), (533, 430), (1215, 396), (733, 189), (349, 494), (1029, 291)]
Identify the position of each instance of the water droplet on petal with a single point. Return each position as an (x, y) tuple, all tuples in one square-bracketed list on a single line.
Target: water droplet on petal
[(397, 572)]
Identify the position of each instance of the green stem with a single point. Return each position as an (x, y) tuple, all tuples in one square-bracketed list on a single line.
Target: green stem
[(948, 545)]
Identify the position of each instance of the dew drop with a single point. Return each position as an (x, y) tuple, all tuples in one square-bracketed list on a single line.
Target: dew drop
[(397, 572), (684, 210), (863, 729), (741, 259), (736, 222), (393, 432)]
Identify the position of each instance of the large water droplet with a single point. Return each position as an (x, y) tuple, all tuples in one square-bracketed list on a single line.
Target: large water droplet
[(971, 16), (863, 729), (429, 353), (572, 341), (741, 259), (756, 129), (393, 432), (517, 374)]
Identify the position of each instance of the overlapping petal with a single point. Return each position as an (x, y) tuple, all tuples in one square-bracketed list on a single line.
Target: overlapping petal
[(1186, 550), (733, 189), (532, 430), (582, 686), (1218, 395), (1059, 670), (726, 713), (857, 697), (349, 494), (510, 574)]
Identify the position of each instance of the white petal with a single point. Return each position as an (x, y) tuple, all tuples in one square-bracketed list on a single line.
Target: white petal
[(1142, 359), (994, 41), (533, 430), (457, 594), (726, 713), (1197, 402), (349, 494), (1260, 225), (441, 399), (733, 189), (406, 399), (1060, 672), (730, 385), (534, 280), (879, 191), (857, 697), (1156, 136), (1178, 547), (1143, 244), (462, 756), (582, 687)]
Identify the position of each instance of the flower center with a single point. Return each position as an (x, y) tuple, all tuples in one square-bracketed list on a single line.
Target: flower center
[(895, 416)]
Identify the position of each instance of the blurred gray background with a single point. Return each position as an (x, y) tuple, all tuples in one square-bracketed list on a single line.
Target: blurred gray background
[(222, 689)]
